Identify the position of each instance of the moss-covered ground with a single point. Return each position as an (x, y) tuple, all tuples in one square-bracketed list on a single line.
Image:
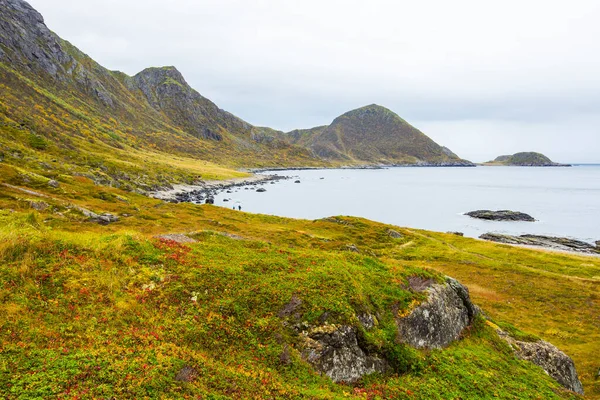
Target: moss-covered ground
[(92, 311)]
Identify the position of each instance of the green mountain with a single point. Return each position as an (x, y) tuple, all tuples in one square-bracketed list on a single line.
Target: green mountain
[(55, 96), (525, 159), (374, 134)]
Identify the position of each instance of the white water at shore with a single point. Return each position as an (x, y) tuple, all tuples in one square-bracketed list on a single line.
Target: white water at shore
[(565, 201)]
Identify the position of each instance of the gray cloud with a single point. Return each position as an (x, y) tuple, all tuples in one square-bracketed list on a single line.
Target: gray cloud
[(480, 77)]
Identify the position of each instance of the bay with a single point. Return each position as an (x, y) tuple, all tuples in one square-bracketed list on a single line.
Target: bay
[(565, 201)]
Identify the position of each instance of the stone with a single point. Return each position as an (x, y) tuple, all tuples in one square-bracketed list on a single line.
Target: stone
[(352, 248), (394, 234), (550, 242), (102, 219), (53, 184), (501, 215), (39, 205), (297, 182), (261, 190), (177, 237), (457, 233), (335, 350), (291, 307), (439, 320), (547, 356), (597, 243), (186, 374), (285, 357)]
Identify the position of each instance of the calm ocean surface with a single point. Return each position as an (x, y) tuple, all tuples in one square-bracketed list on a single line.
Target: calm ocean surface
[(566, 201)]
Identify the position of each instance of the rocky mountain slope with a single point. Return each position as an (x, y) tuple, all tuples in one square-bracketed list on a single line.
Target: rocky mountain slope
[(56, 96), (374, 134), (525, 159)]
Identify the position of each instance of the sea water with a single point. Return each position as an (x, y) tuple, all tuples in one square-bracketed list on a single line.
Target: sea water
[(565, 201)]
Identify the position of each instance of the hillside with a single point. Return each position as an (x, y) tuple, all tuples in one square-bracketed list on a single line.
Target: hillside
[(231, 305), (107, 293), (374, 134), (525, 159), (56, 98)]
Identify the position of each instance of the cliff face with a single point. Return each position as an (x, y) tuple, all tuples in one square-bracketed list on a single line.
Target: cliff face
[(167, 92), (374, 134)]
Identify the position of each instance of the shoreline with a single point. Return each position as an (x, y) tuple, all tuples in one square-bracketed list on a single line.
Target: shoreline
[(210, 188)]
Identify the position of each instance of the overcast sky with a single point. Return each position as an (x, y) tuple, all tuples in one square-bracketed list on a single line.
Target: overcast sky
[(482, 77)]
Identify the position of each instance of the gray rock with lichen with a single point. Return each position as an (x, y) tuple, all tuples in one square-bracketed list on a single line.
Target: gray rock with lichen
[(439, 320), (547, 356), (336, 351)]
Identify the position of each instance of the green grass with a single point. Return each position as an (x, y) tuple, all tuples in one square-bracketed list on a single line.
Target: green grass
[(90, 311)]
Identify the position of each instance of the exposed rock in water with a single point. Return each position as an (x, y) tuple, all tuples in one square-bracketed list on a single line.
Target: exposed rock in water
[(545, 355), (261, 190), (551, 242), (441, 319), (297, 182), (501, 215), (336, 351), (598, 243), (177, 237), (394, 234)]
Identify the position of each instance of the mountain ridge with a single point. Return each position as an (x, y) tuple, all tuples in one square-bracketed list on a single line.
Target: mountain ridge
[(376, 134)]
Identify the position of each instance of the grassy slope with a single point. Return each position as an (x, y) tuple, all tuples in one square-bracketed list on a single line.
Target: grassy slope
[(99, 311)]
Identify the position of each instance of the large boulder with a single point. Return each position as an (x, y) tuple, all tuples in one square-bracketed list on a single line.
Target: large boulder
[(440, 319), (547, 356), (336, 351)]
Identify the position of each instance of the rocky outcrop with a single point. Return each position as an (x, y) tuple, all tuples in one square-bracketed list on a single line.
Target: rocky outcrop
[(166, 91), (550, 242), (336, 351), (501, 215), (547, 356), (439, 320), (394, 234)]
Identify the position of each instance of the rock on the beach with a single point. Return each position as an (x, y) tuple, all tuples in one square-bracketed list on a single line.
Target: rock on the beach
[(457, 233), (501, 215), (551, 242), (261, 190)]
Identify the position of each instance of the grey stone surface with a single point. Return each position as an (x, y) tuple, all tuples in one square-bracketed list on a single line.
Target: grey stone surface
[(547, 356), (394, 234), (501, 215), (335, 351), (551, 242), (177, 237), (439, 320)]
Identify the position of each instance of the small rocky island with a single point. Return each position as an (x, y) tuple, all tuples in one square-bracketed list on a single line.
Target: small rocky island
[(501, 215), (525, 159)]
